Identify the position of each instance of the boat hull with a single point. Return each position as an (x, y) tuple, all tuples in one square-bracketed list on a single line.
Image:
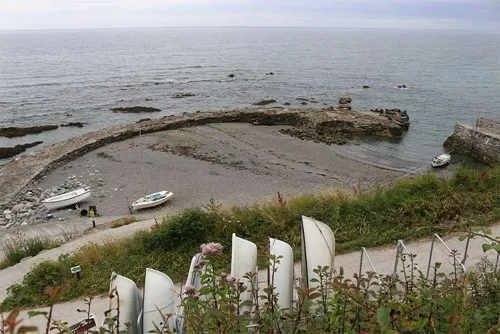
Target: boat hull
[(146, 203), (318, 249), (66, 199), (282, 278), (159, 296), (129, 303), (441, 160), (243, 261)]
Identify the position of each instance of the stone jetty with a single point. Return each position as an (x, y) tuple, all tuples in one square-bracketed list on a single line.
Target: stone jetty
[(481, 140), (22, 173)]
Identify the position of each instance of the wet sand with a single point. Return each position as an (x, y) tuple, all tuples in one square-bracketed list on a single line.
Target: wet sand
[(233, 163)]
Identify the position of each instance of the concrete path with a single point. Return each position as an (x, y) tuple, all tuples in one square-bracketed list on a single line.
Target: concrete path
[(383, 259)]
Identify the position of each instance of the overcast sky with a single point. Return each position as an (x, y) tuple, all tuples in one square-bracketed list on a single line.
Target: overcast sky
[(404, 14)]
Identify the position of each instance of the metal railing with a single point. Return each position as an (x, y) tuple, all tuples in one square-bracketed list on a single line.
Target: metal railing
[(454, 254), (364, 253), (400, 249), (488, 241)]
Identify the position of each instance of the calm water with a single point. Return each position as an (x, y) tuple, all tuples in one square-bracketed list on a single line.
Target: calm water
[(452, 77)]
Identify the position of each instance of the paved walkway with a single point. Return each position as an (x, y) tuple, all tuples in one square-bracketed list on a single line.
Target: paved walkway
[(383, 262)]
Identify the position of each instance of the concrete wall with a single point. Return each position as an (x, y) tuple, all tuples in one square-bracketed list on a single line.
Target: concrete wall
[(482, 145), (489, 125)]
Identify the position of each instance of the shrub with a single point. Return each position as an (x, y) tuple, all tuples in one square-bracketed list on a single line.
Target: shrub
[(18, 248)]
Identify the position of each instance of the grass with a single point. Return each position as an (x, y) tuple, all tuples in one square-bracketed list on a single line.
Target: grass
[(408, 210), (18, 248), (123, 221)]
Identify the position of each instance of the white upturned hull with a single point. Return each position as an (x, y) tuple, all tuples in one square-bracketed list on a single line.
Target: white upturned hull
[(318, 249), (149, 201), (159, 296), (67, 199), (194, 280), (282, 278), (129, 301), (243, 261)]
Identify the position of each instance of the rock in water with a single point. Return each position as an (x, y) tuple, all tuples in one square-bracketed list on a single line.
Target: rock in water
[(230, 75), (12, 132), (264, 102), (345, 100), (182, 95), (136, 109), (75, 124)]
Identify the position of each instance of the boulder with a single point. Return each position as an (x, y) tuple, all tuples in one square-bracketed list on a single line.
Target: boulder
[(366, 86), (345, 100), (230, 75), (264, 102)]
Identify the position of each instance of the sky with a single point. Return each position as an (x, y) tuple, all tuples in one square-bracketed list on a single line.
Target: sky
[(380, 14)]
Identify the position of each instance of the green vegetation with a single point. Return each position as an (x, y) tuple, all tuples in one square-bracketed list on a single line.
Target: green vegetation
[(410, 209), (123, 221), (18, 248)]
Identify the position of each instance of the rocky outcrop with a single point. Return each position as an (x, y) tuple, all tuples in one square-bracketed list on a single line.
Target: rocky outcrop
[(182, 95), (12, 132), (8, 152), (19, 174), (264, 102), (397, 115), (136, 109), (74, 124), (481, 141)]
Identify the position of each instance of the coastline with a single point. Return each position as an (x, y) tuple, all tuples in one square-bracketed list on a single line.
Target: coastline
[(22, 172)]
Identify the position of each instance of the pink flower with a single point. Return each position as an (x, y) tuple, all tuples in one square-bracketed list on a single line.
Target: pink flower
[(189, 289), (223, 276), (211, 248), (247, 312), (231, 280)]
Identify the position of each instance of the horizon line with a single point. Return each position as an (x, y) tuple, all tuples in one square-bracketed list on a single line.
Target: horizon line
[(248, 26)]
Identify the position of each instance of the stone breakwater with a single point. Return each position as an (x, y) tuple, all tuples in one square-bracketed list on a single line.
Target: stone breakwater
[(481, 141), (22, 174)]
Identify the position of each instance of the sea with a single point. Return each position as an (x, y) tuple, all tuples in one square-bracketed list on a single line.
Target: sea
[(61, 76)]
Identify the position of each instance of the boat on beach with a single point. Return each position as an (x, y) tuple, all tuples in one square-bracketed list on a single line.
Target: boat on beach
[(441, 160), (152, 200), (67, 199)]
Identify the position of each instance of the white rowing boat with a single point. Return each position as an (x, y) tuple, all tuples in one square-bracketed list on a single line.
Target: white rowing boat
[(441, 160), (194, 280), (128, 301), (67, 199), (159, 299), (282, 278), (244, 261), (318, 249), (152, 200)]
